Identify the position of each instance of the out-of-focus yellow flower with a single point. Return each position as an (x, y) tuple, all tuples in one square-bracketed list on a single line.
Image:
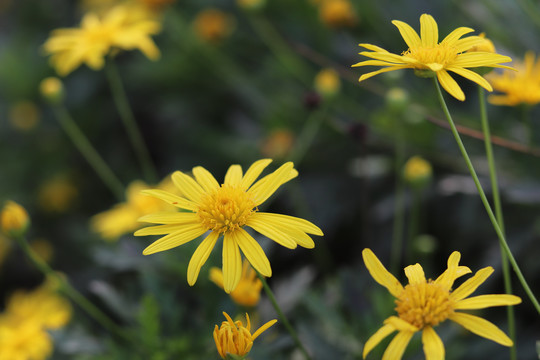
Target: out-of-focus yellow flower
[(14, 219), (213, 25), (24, 340), (102, 6), (52, 89), (235, 338), (278, 144), (327, 82), (337, 13), (417, 171), (423, 304), (397, 99), (517, 87), (24, 115), (251, 4), (57, 194), (248, 290), (43, 249), (123, 27), (485, 46), (122, 218)]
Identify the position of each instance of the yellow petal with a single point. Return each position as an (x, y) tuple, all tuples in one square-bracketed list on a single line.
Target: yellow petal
[(175, 239), (187, 186), (373, 47), (233, 176), (200, 256), (484, 301), (266, 186), (216, 276), (429, 32), (271, 232), (205, 179), (471, 75), (400, 324), (469, 286), (450, 85), (408, 34), (415, 274), (481, 327), (262, 329), (170, 217), (454, 36), (433, 345), (232, 263), (373, 73), (372, 63), (289, 221), (477, 59), (171, 199), (376, 338), (161, 229), (467, 43), (447, 278), (392, 59), (253, 251), (380, 274), (253, 172), (397, 346)]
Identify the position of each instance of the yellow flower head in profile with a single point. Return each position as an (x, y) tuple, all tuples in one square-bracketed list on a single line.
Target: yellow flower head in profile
[(225, 210), (517, 87), (423, 304), (14, 219), (122, 218), (248, 290), (236, 339), (429, 56), (123, 27)]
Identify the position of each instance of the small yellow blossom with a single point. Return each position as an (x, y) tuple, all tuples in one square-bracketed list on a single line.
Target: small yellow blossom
[(428, 56), (327, 82), (484, 46), (337, 13), (278, 144), (225, 209), (235, 338), (14, 219), (517, 87), (123, 27), (24, 115), (251, 4), (57, 194), (52, 89), (213, 25), (248, 291), (122, 218), (417, 171), (423, 304)]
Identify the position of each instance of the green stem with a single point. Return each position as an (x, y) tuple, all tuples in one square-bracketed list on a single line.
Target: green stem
[(499, 216), (399, 203), (492, 218), (134, 134), (282, 317), (71, 292), (88, 151), (308, 134)]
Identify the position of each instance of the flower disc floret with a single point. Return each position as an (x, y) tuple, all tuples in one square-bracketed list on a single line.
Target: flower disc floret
[(434, 58)]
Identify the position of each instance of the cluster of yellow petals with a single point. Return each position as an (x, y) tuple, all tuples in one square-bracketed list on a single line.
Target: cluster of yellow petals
[(248, 290)]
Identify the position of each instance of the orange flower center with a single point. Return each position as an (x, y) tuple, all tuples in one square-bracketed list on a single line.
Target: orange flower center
[(440, 54), (227, 209), (424, 304)]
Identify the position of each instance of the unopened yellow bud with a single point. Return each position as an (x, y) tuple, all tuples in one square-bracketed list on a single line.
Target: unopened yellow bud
[(417, 172), (397, 99), (52, 90), (14, 219), (327, 82), (213, 25), (485, 46), (337, 13)]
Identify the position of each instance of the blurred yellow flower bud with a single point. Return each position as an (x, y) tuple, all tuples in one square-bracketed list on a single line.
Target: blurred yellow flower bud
[(327, 82), (485, 46), (337, 13), (213, 25), (397, 99), (52, 90), (14, 219), (278, 144), (417, 172), (24, 115), (248, 290), (251, 4)]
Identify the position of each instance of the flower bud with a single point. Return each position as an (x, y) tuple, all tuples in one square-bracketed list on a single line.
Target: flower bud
[(417, 172), (52, 90), (14, 220), (327, 82)]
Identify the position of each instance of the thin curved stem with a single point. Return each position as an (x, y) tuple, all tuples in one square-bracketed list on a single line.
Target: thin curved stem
[(82, 143), (126, 114), (282, 317), (499, 216), (492, 218)]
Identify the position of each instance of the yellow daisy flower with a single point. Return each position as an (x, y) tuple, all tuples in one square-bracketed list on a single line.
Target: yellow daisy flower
[(225, 210), (423, 304), (235, 338), (248, 290), (518, 87), (123, 27), (426, 54)]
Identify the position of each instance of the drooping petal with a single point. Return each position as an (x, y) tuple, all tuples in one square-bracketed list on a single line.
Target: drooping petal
[(380, 71), (450, 85), (470, 285), (188, 186), (471, 75), (447, 278), (253, 251), (400, 324), (200, 256), (485, 301), (376, 338), (172, 199), (254, 172), (415, 274), (262, 329), (408, 34), (207, 181), (433, 345), (292, 221), (380, 274), (397, 346), (170, 217), (175, 239), (481, 327), (232, 263), (266, 186), (455, 35), (233, 176), (429, 32), (271, 232)]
